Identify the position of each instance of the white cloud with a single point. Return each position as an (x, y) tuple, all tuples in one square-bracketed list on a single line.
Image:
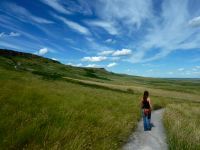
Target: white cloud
[(105, 53), (169, 32), (73, 25), (2, 34), (54, 59), (198, 67), (109, 27), (69, 63), (90, 39), (129, 12), (194, 69), (188, 72), (95, 45), (79, 49), (94, 59), (123, 52), (150, 70), (195, 22), (13, 25), (40, 20), (42, 51), (110, 41), (56, 5), (79, 65), (93, 66), (14, 34), (170, 73), (128, 70), (76, 65), (69, 40), (111, 65), (181, 69), (11, 34), (23, 14), (78, 6)]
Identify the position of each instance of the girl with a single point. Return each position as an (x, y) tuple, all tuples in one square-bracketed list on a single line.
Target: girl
[(146, 111)]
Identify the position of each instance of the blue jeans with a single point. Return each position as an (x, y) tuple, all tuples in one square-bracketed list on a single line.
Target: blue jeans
[(146, 121)]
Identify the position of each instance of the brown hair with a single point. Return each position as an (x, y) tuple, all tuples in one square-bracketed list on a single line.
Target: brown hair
[(145, 96)]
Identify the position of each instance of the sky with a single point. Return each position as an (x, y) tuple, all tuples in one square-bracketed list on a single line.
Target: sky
[(151, 38)]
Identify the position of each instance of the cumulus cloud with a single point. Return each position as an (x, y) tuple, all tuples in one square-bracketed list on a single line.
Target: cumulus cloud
[(105, 53), (111, 65), (42, 51), (123, 52), (94, 59), (73, 25)]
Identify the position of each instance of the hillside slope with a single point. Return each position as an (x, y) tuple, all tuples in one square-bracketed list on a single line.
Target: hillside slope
[(48, 68), (47, 105)]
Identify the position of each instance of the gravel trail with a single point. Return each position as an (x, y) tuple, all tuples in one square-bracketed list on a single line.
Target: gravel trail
[(149, 140)]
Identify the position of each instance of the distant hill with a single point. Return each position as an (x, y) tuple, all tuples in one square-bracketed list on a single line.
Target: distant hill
[(44, 66), (51, 69)]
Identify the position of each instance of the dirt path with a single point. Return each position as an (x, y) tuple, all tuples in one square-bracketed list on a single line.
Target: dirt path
[(149, 140)]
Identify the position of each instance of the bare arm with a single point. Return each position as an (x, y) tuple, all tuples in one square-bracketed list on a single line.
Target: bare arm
[(150, 103), (141, 104)]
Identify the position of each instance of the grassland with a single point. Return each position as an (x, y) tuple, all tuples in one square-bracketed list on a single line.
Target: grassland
[(182, 125), (47, 105), (37, 113)]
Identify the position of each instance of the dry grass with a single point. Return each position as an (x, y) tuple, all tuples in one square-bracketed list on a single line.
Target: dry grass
[(182, 124), (140, 89)]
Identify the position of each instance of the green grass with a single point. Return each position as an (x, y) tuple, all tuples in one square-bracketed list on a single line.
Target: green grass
[(47, 105), (37, 113), (36, 64), (182, 126)]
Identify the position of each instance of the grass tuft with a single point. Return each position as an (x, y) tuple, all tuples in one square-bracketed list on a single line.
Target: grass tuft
[(182, 125)]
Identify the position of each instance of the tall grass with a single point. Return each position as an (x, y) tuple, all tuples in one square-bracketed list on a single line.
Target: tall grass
[(45, 113), (54, 114), (182, 122)]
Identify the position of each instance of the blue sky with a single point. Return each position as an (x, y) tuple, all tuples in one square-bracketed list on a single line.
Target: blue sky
[(154, 38)]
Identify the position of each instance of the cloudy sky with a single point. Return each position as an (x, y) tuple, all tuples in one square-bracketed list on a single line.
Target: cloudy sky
[(156, 38)]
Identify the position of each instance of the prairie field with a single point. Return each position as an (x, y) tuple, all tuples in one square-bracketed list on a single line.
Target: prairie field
[(47, 105), (42, 114), (182, 125)]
